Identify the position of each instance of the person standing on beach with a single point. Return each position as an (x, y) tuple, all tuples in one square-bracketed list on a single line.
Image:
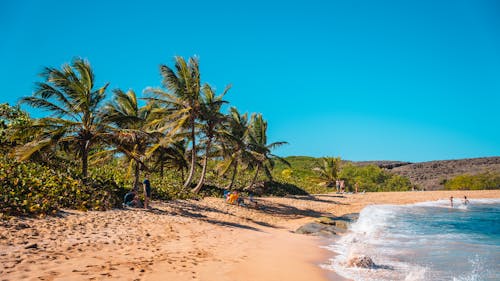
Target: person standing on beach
[(451, 201), (337, 185), (342, 186), (356, 186), (147, 191)]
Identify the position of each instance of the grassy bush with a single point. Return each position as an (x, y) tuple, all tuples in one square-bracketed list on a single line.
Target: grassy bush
[(373, 178), (29, 188), (487, 180)]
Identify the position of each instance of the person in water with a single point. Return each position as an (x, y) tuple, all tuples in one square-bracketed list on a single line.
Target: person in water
[(451, 201), (465, 200)]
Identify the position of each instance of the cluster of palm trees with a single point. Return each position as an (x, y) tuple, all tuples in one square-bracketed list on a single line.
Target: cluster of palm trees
[(177, 126)]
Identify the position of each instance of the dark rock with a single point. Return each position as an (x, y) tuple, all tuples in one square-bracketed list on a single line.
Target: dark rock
[(32, 246), (361, 261), (21, 225), (350, 217), (319, 229), (326, 220)]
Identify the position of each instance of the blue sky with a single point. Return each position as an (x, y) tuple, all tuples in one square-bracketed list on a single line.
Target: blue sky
[(364, 80)]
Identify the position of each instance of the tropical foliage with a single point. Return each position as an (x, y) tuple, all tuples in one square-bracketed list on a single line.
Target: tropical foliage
[(487, 180), (328, 172), (91, 148), (317, 175), (32, 188), (75, 122)]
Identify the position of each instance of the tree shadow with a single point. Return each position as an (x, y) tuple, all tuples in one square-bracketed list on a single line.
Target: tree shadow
[(316, 199), (188, 210)]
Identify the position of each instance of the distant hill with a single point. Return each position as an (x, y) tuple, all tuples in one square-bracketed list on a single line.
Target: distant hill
[(428, 175)]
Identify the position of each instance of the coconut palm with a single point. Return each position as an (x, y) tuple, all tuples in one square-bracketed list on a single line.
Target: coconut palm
[(180, 105), (69, 95), (260, 149), (211, 119), (234, 147), (328, 172), (130, 135), (171, 155)]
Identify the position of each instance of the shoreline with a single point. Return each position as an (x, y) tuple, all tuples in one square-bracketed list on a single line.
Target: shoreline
[(187, 240)]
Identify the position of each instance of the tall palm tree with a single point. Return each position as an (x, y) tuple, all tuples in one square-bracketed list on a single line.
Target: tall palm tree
[(328, 172), (234, 146), (261, 150), (130, 135), (181, 104), (69, 95), (211, 118)]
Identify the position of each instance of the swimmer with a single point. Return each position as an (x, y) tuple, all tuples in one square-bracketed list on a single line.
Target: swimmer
[(465, 200), (451, 201)]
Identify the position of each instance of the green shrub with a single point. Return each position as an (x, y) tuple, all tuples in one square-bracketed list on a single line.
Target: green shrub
[(28, 188), (373, 178), (487, 180)]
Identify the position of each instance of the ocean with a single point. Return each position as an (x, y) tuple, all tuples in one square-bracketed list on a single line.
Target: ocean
[(424, 241)]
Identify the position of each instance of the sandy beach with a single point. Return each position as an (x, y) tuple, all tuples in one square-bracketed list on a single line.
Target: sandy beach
[(186, 240)]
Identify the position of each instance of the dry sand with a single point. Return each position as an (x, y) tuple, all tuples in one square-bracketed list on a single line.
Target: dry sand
[(186, 240)]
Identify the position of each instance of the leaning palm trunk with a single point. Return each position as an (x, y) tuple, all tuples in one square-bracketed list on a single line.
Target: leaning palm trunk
[(254, 177), (204, 170), (136, 175), (193, 158), (235, 170)]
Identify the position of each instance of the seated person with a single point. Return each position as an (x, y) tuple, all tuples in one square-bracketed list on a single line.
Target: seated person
[(226, 194), (233, 197), (131, 199)]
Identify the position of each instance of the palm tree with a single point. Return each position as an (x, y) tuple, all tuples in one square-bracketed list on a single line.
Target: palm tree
[(328, 172), (74, 104), (260, 149), (181, 105), (234, 146), (211, 118), (130, 135), (171, 155)]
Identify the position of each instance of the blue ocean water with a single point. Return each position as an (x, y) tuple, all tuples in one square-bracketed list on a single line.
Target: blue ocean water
[(425, 241)]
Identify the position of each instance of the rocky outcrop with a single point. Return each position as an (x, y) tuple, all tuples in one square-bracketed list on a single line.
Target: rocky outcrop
[(319, 229), (431, 175), (361, 261), (328, 226)]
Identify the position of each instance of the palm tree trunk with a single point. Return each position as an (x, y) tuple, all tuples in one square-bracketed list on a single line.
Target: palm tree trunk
[(204, 170), (182, 175), (136, 175), (235, 170), (85, 161), (254, 177), (193, 157)]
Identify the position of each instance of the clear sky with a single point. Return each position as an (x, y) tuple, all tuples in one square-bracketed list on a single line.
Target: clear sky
[(364, 80)]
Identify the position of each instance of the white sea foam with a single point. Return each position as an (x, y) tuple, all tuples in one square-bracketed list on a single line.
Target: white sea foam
[(477, 273), (392, 237), (368, 237)]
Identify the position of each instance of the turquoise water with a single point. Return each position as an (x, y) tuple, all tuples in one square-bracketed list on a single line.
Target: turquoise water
[(425, 241)]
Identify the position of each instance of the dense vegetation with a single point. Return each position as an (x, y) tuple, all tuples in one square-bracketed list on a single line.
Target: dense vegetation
[(92, 146), (316, 175), (487, 180)]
